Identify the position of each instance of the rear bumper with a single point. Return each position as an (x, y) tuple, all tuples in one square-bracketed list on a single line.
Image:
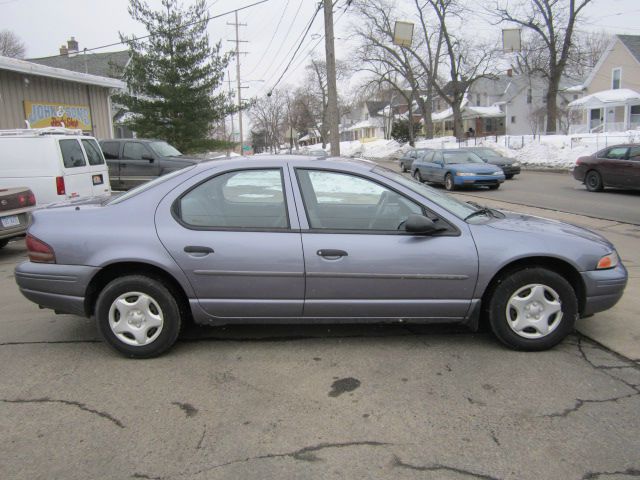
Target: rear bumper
[(18, 230), (59, 287), (603, 288)]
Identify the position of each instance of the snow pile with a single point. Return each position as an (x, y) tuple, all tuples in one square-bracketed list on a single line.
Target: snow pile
[(375, 150)]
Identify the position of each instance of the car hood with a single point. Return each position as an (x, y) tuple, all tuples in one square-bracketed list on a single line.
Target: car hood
[(517, 222), (473, 167), (501, 161)]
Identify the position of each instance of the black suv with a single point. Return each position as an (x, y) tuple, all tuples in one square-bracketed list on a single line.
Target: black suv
[(133, 161)]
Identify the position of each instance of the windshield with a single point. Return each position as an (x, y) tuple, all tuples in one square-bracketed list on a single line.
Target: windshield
[(163, 149), (451, 158), (146, 186), (486, 152), (451, 204)]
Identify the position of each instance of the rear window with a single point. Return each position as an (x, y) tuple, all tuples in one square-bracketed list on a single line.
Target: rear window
[(93, 152), (111, 150), (72, 155)]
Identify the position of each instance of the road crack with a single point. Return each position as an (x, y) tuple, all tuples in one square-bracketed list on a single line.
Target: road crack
[(72, 403), (629, 472), (437, 467)]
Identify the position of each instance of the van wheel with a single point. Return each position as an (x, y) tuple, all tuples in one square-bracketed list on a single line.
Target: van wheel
[(138, 316), (533, 309)]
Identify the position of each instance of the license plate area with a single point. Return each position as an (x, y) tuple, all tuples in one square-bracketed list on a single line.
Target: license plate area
[(10, 221), (97, 179)]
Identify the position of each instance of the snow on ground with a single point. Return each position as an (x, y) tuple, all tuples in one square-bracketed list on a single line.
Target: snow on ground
[(546, 151)]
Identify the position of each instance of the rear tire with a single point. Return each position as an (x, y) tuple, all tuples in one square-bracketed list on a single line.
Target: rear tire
[(138, 316), (403, 168), (533, 309), (449, 184), (494, 187), (593, 181)]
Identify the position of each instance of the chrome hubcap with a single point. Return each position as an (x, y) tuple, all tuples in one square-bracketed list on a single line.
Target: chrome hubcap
[(534, 311), (135, 318)]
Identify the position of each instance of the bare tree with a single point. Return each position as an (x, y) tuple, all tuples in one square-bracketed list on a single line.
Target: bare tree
[(11, 45), (554, 22), (587, 49), (269, 116)]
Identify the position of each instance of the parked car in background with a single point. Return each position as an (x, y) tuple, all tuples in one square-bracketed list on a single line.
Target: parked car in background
[(510, 166), (133, 161), (408, 157), (617, 166), (16, 205), (285, 239), (317, 153), (456, 168), (55, 163)]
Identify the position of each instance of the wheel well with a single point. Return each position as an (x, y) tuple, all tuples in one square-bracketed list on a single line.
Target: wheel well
[(558, 266), (116, 270)]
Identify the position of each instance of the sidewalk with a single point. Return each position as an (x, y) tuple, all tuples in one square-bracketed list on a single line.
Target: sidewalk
[(619, 327)]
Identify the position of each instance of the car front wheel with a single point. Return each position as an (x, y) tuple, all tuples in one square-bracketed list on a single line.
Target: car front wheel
[(403, 168), (593, 181), (138, 316), (533, 309), (417, 176)]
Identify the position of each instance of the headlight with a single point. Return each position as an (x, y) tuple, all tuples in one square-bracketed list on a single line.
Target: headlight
[(515, 164), (608, 261), (465, 174), (498, 173)]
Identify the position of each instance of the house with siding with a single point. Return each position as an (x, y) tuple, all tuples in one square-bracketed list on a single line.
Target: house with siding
[(611, 100)]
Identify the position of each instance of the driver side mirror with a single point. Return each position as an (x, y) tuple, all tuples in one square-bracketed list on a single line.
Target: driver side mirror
[(147, 156), (420, 224)]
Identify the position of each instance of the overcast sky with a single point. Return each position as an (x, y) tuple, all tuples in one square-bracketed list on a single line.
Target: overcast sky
[(44, 25)]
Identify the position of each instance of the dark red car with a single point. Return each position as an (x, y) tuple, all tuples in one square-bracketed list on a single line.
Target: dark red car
[(616, 166)]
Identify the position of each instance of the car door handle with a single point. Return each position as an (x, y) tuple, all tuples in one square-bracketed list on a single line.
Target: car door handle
[(198, 249), (329, 252)]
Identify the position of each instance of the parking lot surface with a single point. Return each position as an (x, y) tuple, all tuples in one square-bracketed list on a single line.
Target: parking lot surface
[(307, 402)]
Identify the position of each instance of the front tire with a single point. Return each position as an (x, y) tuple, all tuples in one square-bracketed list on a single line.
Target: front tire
[(593, 181), (494, 187), (403, 168), (449, 184), (510, 176), (138, 316), (533, 309), (418, 176)]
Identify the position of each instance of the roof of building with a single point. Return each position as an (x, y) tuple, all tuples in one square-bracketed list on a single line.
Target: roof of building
[(374, 106), (30, 68), (606, 97), (107, 64), (632, 42)]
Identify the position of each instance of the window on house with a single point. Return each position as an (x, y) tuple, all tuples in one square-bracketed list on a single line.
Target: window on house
[(529, 96), (616, 77), (635, 114), (513, 119)]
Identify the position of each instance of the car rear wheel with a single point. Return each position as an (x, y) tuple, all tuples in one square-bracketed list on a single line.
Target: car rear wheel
[(418, 176), (593, 181), (403, 168), (533, 309), (138, 316), (449, 184)]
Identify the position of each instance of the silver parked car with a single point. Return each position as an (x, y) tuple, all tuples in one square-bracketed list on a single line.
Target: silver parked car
[(290, 239)]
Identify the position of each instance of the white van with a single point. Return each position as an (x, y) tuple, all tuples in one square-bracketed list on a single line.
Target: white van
[(55, 163)]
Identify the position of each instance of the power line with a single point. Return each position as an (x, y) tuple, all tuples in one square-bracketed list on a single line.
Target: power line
[(285, 39), (135, 39), (284, 10)]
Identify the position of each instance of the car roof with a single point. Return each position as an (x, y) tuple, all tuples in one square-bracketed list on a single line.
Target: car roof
[(282, 160), (141, 140)]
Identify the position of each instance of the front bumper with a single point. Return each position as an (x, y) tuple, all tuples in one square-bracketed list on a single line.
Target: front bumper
[(603, 288), (59, 287), (470, 181)]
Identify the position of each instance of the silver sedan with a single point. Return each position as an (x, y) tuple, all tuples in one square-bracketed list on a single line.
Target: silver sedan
[(290, 239)]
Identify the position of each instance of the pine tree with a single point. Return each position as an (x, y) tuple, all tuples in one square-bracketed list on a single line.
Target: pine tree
[(174, 76)]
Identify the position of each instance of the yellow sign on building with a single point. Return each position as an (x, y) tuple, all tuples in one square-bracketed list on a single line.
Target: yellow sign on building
[(45, 114)]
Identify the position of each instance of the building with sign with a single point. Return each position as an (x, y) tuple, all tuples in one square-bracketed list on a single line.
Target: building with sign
[(47, 96)]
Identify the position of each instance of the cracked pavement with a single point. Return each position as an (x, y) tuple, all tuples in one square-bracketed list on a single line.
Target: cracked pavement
[(272, 402)]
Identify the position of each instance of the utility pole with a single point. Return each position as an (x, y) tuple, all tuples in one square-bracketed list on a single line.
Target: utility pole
[(238, 52), (332, 91)]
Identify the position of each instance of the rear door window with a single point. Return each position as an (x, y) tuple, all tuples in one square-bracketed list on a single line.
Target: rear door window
[(94, 155), (72, 155), (111, 150)]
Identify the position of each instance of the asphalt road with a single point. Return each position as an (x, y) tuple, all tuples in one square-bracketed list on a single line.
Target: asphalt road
[(560, 191), (274, 402)]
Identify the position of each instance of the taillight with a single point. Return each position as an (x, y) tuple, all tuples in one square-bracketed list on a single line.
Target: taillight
[(38, 251), (26, 199), (60, 185)]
